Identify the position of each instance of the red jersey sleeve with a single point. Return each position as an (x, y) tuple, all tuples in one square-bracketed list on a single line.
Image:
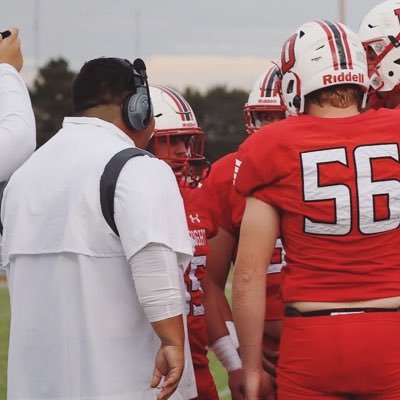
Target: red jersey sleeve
[(257, 165), (219, 186)]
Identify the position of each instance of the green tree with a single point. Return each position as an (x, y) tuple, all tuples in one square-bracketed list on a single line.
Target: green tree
[(51, 97), (220, 113)]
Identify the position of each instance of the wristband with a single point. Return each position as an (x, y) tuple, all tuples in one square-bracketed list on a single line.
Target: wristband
[(226, 353), (232, 333)]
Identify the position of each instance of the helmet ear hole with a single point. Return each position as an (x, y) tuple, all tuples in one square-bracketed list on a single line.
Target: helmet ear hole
[(289, 89)]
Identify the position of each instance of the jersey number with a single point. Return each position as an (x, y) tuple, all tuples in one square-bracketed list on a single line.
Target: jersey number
[(193, 284), (367, 189)]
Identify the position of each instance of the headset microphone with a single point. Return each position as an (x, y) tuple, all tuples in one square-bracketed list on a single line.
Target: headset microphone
[(5, 34), (140, 67)]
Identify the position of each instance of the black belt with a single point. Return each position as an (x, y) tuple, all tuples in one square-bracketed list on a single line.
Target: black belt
[(294, 312)]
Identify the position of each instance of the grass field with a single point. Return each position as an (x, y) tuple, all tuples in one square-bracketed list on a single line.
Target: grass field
[(217, 370)]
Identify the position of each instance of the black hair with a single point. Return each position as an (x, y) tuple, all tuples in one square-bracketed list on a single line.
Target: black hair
[(102, 81)]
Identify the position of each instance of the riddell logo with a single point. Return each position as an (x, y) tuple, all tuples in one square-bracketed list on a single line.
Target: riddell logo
[(343, 77), (189, 124), (268, 101)]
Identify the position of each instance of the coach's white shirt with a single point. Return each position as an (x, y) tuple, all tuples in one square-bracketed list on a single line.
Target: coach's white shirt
[(17, 122), (77, 328)]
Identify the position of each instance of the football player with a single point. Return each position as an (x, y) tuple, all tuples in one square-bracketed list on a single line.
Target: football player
[(263, 107), (331, 190), (179, 141), (380, 33)]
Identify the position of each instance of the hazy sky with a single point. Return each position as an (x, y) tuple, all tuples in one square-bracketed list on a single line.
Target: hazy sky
[(184, 43)]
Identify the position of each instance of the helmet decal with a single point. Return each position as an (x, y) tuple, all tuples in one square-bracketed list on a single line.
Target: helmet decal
[(338, 44), (183, 106), (264, 104), (288, 58), (269, 86), (397, 12)]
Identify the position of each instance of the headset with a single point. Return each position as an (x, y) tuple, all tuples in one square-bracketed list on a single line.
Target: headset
[(137, 110)]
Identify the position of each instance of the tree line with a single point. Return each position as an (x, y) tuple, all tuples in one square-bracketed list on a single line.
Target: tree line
[(219, 111)]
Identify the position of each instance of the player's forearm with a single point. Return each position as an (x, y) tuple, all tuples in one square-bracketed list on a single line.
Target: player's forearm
[(170, 331), (220, 258), (214, 300), (259, 230), (219, 263), (248, 312)]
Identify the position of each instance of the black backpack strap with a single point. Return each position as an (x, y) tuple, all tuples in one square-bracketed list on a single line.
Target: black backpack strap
[(108, 182)]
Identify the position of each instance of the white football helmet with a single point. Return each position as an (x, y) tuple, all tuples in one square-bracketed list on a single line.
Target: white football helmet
[(318, 55), (174, 118), (380, 32), (263, 98)]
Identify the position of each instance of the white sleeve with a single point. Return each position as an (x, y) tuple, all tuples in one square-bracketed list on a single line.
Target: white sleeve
[(17, 122), (148, 208), (157, 278)]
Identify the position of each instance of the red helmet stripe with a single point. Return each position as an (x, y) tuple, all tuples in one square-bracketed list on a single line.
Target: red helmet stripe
[(271, 86), (341, 43), (268, 84), (346, 45), (339, 40), (183, 107), (264, 83), (331, 44)]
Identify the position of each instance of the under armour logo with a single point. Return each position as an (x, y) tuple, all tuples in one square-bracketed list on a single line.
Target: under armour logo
[(194, 218)]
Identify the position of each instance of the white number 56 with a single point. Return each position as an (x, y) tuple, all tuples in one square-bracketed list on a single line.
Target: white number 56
[(341, 194)]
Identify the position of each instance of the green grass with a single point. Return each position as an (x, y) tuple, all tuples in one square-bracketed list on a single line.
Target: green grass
[(218, 371), (220, 377)]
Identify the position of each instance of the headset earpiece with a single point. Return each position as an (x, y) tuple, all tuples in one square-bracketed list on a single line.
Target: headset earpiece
[(137, 110)]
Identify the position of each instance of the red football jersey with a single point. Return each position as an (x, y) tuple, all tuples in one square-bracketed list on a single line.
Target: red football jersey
[(336, 184), (232, 205), (203, 224), (219, 183)]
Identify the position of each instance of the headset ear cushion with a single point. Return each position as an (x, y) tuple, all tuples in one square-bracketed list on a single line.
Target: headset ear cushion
[(134, 111)]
